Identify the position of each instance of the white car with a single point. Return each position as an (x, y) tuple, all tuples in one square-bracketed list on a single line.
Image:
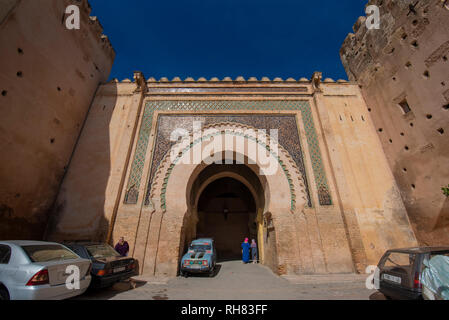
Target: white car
[(36, 270)]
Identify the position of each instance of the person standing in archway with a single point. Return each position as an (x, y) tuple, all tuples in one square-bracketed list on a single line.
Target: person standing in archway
[(245, 251), (253, 251)]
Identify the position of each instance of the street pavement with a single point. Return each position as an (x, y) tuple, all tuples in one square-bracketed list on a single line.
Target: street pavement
[(237, 281)]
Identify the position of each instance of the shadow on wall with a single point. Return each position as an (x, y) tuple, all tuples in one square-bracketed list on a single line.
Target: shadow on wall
[(80, 210), (270, 256), (443, 218), (427, 211), (21, 228), (48, 78), (38, 157)]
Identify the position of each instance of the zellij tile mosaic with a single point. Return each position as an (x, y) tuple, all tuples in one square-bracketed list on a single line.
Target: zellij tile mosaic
[(287, 135)]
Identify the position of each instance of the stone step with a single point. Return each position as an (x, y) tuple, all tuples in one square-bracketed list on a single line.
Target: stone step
[(151, 280), (325, 278)]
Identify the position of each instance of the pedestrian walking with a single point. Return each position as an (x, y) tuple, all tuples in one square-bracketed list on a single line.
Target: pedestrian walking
[(245, 251), (254, 251)]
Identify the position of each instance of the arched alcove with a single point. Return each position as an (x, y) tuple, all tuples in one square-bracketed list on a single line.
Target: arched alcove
[(227, 213)]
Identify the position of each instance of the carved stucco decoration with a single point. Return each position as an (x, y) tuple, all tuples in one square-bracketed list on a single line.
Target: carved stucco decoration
[(286, 163)]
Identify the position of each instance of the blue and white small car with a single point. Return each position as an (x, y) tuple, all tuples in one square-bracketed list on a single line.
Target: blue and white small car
[(200, 258)]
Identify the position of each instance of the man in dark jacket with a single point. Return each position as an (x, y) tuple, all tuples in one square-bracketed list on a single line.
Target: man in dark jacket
[(122, 247)]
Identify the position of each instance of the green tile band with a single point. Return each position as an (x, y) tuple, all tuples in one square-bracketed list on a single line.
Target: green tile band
[(137, 165), (207, 137)]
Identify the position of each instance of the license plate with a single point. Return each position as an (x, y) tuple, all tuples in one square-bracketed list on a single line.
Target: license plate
[(391, 278), (119, 269)]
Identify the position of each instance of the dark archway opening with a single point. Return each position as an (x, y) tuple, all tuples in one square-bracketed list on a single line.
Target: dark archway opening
[(227, 212)]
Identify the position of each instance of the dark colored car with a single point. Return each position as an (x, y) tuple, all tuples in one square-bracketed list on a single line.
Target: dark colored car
[(108, 266), (399, 271)]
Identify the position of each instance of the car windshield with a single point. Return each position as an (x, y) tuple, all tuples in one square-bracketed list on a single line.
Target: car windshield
[(399, 259), (399, 262), (101, 251), (48, 252), (200, 247)]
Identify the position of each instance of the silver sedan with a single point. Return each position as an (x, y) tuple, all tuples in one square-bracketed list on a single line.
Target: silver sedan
[(36, 270)]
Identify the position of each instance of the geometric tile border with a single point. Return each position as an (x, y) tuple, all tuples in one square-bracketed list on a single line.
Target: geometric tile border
[(135, 176), (285, 124), (232, 133)]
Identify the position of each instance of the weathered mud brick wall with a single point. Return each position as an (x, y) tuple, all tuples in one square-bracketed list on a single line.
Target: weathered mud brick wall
[(48, 77), (403, 71)]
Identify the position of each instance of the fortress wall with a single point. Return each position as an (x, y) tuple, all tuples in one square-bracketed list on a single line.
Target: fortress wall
[(403, 71), (48, 78), (375, 216)]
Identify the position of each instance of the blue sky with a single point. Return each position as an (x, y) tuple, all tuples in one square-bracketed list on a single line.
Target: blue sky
[(211, 38)]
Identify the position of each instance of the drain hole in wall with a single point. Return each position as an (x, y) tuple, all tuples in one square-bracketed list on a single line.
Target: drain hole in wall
[(406, 147), (440, 130), (19, 74), (4, 93), (429, 116)]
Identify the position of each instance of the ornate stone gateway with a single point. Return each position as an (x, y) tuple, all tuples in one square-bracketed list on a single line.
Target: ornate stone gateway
[(279, 194), (287, 162)]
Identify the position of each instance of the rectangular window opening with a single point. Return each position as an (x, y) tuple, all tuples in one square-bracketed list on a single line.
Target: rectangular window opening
[(405, 106)]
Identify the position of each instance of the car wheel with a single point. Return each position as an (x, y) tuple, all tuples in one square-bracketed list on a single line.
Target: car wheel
[(212, 272), (4, 295)]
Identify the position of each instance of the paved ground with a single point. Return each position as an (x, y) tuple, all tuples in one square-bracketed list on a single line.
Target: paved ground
[(236, 281)]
